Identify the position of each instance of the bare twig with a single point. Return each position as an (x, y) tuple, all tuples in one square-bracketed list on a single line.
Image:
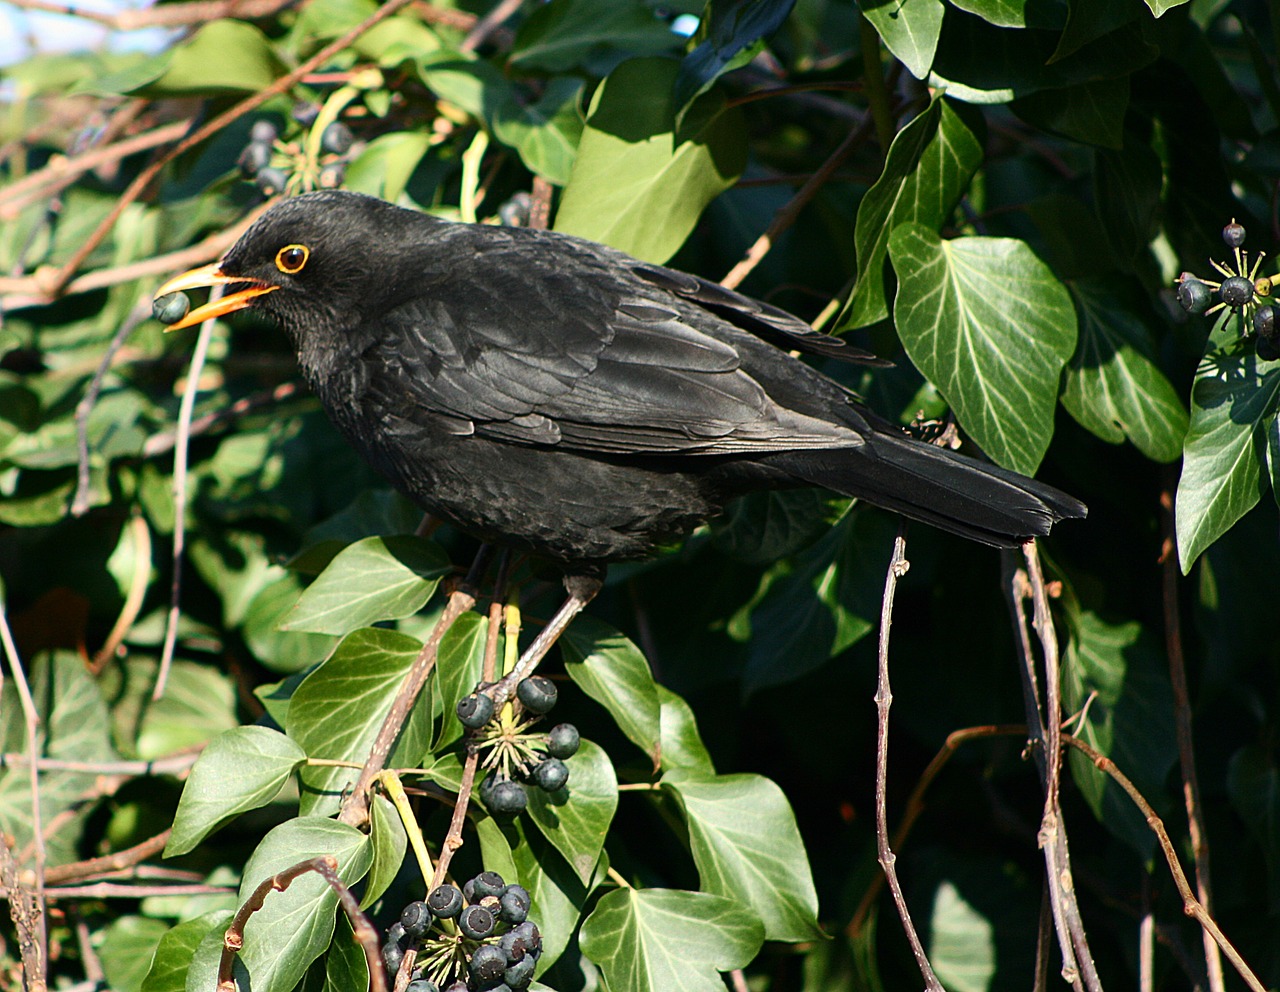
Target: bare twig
[(787, 215), (453, 839), (130, 856), (1190, 904), (488, 24), (898, 566), (327, 868), (160, 443), (57, 282), (161, 16), (138, 582), (355, 809), (185, 410), (35, 976), (1182, 723), (173, 765), (26, 913)]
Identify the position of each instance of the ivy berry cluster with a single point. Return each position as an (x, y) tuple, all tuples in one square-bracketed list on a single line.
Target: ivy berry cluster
[(516, 757), (1241, 290), (477, 939), (276, 166)]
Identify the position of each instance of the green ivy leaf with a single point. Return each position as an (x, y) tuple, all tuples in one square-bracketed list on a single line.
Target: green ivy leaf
[(1253, 784), (989, 324), (909, 29), (1112, 386), (670, 940), (1233, 413), (1091, 112), (682, 745), (389, 842), (337, 710), (379, 578), (294, 927), (1116, 676), (240, 770), (459, 666), (387, 164), (763, 527), (928, 168), (172, 958), (345, 966), (554, 889), (611, 670), (569, 34), (747, 848), (576, 819), (128, 945), (634, 185), (545, 133), (726, 33)]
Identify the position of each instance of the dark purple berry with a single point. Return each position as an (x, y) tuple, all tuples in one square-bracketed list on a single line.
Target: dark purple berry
[(337, 138), (254, 157), (528, 935), (513, 904), (563, 741), (170, 308), (1193, 295), (476, 710), (488, 964), (1264, 321), (392, 955), (1268, 349), (1236, 291), (332, 175), (538, 693), (1233, 234), (263, 132), (476, 922), (515, 212), (488, 883), (445, 902), (272, 181), (305, 112), (551, 775), (415, 917), (503, 797), (520, 974), (422, 985)]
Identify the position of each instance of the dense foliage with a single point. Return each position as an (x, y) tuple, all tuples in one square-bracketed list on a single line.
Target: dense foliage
[(1001, 196)]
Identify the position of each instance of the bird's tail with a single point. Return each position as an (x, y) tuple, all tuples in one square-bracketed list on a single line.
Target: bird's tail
[(953, 492)]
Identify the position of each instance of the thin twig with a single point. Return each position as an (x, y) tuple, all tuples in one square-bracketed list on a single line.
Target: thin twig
[(185, 411), (453, 839), (488, 24), (158, 444), (117, 861), (80, 501), (25, 913), (898, 566), (786, 216), (1190, 904), (355, 809), (58, 281), (138, 583), (31, 722), (1186, 742), (62, 170), (161, 16), (172, 765)]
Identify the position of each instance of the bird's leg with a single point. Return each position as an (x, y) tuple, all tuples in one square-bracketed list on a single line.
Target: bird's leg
[(582, 590)]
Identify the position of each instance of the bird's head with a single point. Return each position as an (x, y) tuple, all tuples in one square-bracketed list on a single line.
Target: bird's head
[(321, 260)]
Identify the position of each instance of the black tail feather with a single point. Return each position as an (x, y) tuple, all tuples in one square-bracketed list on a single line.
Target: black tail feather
[(953, 492)]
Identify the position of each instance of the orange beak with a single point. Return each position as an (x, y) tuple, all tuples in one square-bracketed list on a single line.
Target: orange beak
[(211, 275)]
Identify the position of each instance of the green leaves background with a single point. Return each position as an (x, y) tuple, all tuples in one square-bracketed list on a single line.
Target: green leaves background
[(1013, 206)]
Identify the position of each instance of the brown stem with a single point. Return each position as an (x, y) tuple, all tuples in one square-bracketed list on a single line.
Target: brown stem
[(26, 913), (162, 16), (786, 216), (898, 566), (127, 858), (453, 839), (1182, 724)]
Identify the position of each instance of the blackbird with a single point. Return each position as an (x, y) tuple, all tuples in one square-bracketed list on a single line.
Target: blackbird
[(556, 396)]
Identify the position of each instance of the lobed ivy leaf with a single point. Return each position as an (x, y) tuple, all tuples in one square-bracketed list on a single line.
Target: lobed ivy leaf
[(128, 945), (240, 770), (605, 665), (987, 322), (1233, 415), (576, 819), (928, 168), (545, 133), (682, 745), (670, 940), (379, 578), (1091, 112), (726, 39), (345, 966), (459, 666), (570, 34), (389, 842), (748, 848), (1112, 387), (634, 185), (336, 711)]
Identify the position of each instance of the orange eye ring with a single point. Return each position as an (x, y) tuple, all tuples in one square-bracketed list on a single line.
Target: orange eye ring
[(291, 258)]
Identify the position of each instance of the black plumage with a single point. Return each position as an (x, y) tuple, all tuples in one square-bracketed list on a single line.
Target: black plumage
[(557, 396)]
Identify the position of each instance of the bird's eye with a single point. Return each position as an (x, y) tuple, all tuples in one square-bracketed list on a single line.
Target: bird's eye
[(291, 258)]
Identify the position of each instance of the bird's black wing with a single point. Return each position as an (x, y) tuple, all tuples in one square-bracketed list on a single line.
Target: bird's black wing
[(549, 340)]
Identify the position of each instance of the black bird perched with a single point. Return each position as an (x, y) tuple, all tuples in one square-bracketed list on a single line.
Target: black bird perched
[(559, 397)]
